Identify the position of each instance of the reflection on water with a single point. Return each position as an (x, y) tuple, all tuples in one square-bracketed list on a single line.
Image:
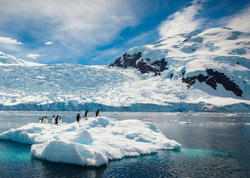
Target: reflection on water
[(214, 145)]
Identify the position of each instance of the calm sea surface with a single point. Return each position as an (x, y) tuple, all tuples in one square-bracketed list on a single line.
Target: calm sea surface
[(214, 145)]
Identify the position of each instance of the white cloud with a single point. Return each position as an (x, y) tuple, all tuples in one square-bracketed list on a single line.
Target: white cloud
[(72, 23), (9, 41), (79, 27), (33, 56), (240, 21), (10, 44), (49, 43), (182, 21)]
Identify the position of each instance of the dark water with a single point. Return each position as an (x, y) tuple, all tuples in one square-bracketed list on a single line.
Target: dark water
[(214, 145)]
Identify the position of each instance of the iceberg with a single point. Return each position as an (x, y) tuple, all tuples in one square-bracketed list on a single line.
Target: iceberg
[(91, 142)]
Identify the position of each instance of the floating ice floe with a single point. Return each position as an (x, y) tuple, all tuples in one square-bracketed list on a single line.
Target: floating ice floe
[(185, 122), (90, 142)]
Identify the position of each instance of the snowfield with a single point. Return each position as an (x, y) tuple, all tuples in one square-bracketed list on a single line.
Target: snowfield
[(91, 142), (78, 87), (9, 60)]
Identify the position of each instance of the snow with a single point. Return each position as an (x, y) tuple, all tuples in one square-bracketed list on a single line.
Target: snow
[(9, 60), (70, 86), (91, 142)]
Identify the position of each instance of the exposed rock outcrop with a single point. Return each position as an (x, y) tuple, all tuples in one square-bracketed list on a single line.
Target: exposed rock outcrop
[(213, 77), (143, 65)]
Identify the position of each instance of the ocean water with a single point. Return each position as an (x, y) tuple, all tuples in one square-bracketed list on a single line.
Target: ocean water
[(214, 145)]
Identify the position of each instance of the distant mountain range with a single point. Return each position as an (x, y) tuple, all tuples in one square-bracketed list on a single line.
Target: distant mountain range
[(205, 70)]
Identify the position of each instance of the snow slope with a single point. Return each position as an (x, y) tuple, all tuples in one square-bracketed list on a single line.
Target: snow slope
[(78, 87), (92, 142), (221, 50), (7, 60)]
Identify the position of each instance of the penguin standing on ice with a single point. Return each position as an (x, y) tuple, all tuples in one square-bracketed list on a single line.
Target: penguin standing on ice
[(57, 120), (97, 113), (86, 114), (42, 119), (78, 117)]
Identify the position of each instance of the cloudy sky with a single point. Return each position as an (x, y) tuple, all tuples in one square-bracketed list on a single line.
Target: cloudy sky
[(97, 31)]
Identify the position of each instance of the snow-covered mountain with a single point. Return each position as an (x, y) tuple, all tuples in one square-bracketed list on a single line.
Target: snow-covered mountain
[(213, 62), (206, 70), (6, 59)]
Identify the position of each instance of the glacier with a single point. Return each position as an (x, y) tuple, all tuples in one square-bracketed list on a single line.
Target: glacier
[(32, 86), (91, 142)]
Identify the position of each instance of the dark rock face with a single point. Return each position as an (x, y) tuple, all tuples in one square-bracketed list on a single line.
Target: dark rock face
[(126, 60), (143, 65), (212, 78)]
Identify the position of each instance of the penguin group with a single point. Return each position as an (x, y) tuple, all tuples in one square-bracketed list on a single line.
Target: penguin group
[(78, 116), (58, 119), (55, 119)]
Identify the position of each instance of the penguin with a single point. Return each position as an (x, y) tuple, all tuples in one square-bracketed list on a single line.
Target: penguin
[(86, 113), (97, 113), (78, 117), (57, 119)]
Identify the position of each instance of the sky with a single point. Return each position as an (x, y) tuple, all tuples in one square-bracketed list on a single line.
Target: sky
[(96, 32)]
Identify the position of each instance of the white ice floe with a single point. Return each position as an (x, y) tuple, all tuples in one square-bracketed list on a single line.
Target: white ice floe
[(185, 122), (91, 142)]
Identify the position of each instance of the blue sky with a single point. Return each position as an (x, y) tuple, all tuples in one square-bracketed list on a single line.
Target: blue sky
[(98, 31)]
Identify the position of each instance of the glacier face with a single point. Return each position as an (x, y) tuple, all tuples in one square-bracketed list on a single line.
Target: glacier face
[(76, 87)]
